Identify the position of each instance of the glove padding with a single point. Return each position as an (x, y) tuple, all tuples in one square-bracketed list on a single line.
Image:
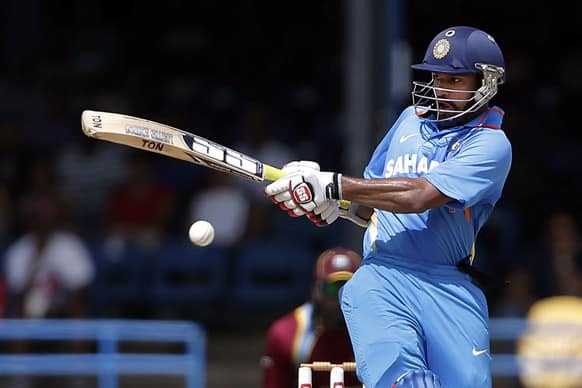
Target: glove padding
[(325, 213), (307, 191), (281, 196)]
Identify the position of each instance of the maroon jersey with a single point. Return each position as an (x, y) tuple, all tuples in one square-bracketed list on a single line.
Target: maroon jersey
[(296, 338)]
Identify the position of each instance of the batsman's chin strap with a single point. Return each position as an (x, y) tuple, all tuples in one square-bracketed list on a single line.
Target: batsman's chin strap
[(484, 280)]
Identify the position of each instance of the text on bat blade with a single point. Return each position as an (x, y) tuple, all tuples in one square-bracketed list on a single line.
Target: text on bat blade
[(137, 131), (152, 145), (164, 137), (97, 121)]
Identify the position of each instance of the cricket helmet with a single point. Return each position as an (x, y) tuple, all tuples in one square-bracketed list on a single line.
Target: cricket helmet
[(336, 264), (459, 50), (333, 268)]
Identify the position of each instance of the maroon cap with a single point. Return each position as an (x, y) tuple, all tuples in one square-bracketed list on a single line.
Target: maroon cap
[(336, 264)]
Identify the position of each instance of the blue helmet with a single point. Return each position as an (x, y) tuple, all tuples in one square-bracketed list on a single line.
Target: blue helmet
[(460, 50)]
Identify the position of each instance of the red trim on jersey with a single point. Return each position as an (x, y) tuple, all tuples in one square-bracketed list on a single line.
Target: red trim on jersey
[(482, 118), (485, 115), (498, 111)]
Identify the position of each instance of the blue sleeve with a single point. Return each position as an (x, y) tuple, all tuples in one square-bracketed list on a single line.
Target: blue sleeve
[(375, 167), (477, 173)]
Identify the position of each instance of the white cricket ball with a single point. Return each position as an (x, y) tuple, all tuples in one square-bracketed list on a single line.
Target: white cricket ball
[(201, 233)]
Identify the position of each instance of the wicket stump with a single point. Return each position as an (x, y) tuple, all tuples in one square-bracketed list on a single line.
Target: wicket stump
[(336, 372)]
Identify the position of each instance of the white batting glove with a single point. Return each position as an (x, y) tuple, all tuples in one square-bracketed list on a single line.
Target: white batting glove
[(322, 212), (301, 165), (280, 194), (310, 189), (325, 213)]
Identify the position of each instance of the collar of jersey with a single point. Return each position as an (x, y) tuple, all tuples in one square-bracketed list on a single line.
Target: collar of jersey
[(491, 118)]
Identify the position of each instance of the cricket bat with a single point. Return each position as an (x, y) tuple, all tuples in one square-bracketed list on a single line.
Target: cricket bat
[(173, 142)]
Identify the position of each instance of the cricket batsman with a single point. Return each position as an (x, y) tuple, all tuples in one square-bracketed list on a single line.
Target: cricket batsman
[(414, 311)]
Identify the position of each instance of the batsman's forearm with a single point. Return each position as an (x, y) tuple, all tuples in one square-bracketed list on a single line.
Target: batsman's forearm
[(398, 195)]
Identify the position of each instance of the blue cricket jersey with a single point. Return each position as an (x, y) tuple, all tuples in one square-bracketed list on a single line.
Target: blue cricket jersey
[(468, 163)]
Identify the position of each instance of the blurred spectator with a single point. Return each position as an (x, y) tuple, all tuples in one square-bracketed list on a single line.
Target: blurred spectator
[(47, 269), (551, 348), (89, 169), (41, 184), (139, 208), (556, 266), (259, 142), (314, 331), (223, 204), (517, 297)]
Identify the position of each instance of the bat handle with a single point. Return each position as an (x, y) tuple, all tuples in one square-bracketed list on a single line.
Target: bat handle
[(271, 173), (344, 204)]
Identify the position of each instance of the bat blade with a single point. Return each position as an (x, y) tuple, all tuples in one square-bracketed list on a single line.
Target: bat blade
[(173, 142)]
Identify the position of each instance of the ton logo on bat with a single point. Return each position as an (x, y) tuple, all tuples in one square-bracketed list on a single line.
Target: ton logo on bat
[(96, 121), (152, 145)]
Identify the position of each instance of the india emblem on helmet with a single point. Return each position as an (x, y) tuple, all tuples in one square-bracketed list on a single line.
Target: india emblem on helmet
[(441, 49)]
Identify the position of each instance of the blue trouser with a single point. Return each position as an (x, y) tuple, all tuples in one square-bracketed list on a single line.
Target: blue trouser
[(403, 317)]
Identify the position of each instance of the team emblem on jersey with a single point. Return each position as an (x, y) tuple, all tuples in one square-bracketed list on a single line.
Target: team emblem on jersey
[(441, 49), (455, 144)]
